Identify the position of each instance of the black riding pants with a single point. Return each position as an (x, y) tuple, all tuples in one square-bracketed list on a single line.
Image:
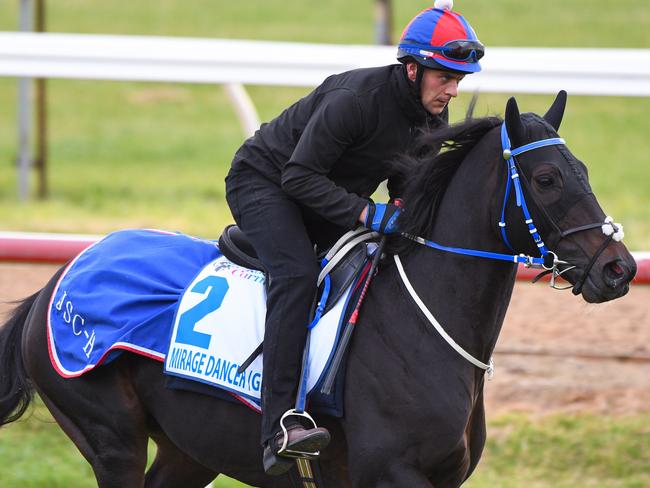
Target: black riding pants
[(284, 242)]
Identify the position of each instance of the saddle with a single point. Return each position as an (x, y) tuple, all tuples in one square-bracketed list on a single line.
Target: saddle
[(344, 259), (234, 244)]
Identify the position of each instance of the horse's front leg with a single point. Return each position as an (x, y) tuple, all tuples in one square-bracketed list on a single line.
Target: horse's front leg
[(391, 445)]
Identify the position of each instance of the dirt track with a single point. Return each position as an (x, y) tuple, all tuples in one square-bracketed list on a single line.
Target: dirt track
[(581, 374)]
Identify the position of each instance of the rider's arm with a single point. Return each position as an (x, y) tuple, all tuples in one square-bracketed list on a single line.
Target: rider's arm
[(332, 128)]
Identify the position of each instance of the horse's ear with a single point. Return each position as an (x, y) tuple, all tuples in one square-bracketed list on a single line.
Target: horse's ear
[(513, 123), (556, 112)]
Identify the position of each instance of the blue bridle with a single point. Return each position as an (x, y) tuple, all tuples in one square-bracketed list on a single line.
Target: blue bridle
[(512, 181)]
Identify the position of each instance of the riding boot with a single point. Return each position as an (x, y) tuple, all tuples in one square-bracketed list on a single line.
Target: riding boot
[(300, 443)]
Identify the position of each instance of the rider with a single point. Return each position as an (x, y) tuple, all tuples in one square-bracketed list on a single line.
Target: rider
[(306, 177)]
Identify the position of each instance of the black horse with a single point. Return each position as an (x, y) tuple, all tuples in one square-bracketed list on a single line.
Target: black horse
[(414, 414)]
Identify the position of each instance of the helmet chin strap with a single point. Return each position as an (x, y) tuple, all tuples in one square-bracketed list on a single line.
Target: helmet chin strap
[(415, 85), (415, 90)]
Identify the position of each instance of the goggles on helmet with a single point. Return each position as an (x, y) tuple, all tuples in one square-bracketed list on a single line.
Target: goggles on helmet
[(459, 50)]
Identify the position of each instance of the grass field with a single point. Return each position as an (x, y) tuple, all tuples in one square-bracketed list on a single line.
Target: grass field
[(555, 451), (155, 155)]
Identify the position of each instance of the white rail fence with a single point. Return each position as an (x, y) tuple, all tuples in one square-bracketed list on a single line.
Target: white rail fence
[(191, 60)]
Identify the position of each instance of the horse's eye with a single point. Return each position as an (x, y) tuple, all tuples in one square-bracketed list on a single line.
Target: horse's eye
[(545, 181)]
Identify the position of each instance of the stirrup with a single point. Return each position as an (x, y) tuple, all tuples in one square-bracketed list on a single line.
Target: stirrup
[(290, 453)]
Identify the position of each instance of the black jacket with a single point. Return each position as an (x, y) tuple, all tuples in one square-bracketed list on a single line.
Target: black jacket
[(330, 150)]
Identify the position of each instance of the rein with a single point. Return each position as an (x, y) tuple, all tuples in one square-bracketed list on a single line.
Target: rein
[(547, 260)]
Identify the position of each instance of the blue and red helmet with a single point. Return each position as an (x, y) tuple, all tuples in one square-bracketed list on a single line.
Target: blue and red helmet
[(441, 39)]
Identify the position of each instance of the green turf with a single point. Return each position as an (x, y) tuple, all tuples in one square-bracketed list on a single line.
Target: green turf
[(573, 23), (155, 155), (554, 451), (565, 452)]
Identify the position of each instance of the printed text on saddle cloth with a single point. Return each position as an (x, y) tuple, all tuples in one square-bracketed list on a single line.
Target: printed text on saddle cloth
[(220, 321), (204, 347)]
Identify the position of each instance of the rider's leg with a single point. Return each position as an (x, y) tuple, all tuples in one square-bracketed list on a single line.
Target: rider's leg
[(274, 225)]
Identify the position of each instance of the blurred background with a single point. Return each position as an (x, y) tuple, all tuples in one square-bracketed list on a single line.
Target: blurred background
[(141, 154), (125, 154)]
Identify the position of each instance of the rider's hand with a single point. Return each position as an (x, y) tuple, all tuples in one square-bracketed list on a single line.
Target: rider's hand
[(381, 217)]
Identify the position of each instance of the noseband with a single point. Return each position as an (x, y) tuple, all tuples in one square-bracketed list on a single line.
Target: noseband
[(548, 260)]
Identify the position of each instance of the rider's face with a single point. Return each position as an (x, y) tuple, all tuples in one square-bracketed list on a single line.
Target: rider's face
[(437, 88)]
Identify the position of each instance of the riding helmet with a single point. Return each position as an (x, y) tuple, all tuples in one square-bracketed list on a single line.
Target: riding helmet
[(441, 39)]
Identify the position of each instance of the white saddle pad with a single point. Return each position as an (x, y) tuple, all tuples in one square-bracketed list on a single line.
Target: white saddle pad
[(220, 321)]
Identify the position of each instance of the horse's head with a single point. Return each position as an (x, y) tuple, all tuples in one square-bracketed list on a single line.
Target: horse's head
[(564, 209)]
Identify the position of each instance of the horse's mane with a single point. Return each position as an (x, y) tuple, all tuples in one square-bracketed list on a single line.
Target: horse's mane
[(428, 168)]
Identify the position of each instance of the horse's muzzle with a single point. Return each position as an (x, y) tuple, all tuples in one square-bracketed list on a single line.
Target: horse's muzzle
[(609, 280)]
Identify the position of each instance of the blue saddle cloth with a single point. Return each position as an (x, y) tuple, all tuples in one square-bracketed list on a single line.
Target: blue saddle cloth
[(112, 298), (123, 293)]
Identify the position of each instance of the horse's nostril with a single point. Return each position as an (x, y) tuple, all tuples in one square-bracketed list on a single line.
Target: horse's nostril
[(614, 272), (615, 268)]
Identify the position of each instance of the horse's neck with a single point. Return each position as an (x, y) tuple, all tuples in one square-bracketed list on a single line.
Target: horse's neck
[(468, 295)]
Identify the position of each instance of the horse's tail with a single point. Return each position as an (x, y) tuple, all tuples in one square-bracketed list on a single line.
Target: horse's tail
[(16, 390)]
